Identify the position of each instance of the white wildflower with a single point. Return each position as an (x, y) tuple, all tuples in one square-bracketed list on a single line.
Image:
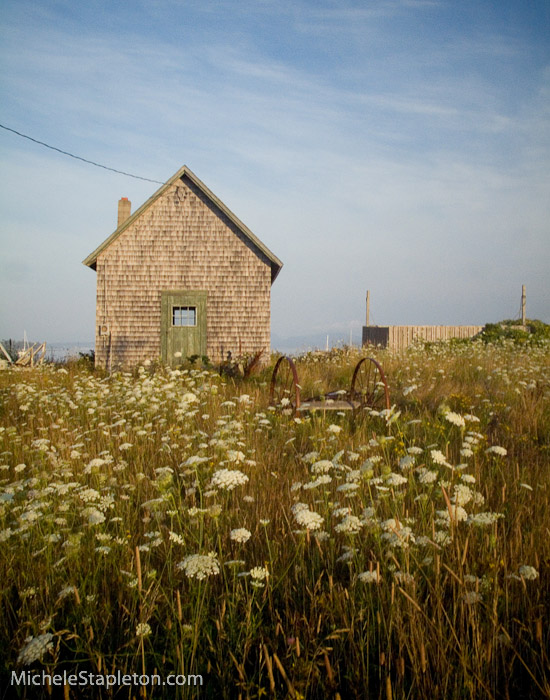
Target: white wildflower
[(228, 479), (348, 486), (322, 467), (442, 538), (235, 456), (259, 575), (240, 535), (35, 648), (461, 494), (497, 450), (349, 553), (529, 573), (400, 537), (458, 514), (87, 495), (396, 479), (143, 629), (438, 457), (66, 592), (369, 577), (484, 519), (94, 465), (306, 517), (350, 525), (426, 476), (174, 537), (200, 566), (94, 516), (341, 512), (455, 419), (406, 462), (320, 481), (235, 562)]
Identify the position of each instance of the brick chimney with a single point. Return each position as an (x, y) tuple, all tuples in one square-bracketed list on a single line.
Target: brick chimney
[(124, 210)]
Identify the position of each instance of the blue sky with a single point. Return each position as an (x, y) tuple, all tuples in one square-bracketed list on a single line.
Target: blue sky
[(400, 146)]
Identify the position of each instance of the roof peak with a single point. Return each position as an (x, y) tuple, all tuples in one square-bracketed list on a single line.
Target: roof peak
[(185, 171)]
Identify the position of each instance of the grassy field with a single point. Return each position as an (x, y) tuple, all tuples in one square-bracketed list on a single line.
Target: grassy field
[(171, 522)]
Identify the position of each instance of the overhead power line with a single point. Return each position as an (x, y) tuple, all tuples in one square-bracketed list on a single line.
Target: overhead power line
[(84, 160)]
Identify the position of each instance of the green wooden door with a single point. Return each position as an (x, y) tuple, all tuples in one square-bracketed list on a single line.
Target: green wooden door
[(183, 325)]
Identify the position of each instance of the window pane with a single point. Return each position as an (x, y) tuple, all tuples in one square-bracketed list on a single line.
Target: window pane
[(184, 315)]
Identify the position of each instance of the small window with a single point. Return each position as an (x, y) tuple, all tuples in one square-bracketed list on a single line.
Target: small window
[(184, 315)]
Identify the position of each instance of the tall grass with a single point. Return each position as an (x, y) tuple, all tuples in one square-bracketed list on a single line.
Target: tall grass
[(393, 555)]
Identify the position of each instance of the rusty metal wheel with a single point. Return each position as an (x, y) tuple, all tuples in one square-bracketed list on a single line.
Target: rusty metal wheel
[(369, 386), (284, 392)]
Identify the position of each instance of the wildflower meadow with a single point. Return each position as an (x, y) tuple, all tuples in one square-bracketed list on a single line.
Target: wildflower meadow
[(172, 522)]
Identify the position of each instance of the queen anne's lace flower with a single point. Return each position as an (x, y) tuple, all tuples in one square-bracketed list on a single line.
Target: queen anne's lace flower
[(322, 467), (143, 629), (228, 479), (369, 577), (200, 566), (458, 514), (497, 450), (307, 518), (438, 457), (484, 519), (462, 494), (319, 481), (455, 419), (395, 480), (240, 534), (350, 525), (35, 648), (259, 575), (94, 516), (529, 573), (426, 476), (406, 462)]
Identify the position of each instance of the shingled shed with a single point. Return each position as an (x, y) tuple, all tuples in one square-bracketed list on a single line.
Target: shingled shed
[(181, 276)]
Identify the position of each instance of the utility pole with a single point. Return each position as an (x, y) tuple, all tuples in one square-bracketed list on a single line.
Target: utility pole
[(523, 304), (368, 306)]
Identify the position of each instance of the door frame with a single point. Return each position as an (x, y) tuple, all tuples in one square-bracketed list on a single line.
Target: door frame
[(174, 336)]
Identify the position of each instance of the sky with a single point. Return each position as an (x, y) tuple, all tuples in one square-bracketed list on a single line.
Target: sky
[(399, 146)]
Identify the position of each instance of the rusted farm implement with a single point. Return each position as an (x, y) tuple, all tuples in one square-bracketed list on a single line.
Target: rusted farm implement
[(369, 389)]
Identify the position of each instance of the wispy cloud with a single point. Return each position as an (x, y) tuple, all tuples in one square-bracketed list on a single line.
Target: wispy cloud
[(406, 168)]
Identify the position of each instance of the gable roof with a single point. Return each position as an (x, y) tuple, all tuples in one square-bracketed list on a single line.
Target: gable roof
[(274, 261)]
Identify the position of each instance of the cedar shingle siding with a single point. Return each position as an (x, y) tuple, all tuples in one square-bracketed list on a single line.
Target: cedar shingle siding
[(183, 240)]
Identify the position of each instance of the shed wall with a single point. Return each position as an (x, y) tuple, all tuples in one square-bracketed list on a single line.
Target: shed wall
[(181, 242), (400, 337)]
